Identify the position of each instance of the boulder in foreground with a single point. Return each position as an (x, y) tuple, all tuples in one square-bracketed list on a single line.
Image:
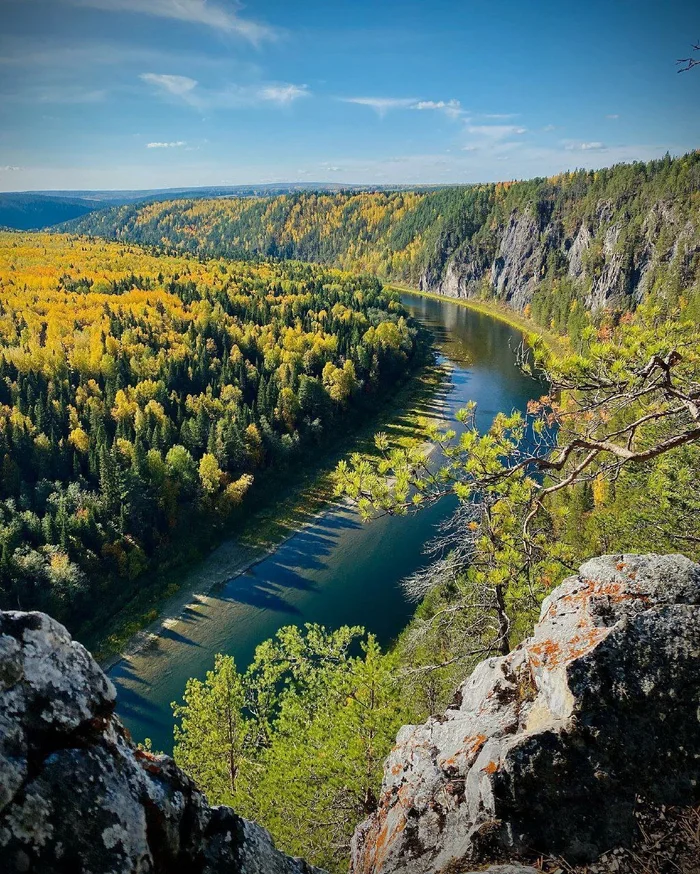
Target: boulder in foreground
[(546, 750), (77, 796)]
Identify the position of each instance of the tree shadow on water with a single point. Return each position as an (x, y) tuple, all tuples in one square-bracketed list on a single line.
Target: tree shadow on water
[(171, 634), (122, 671), (264, 587), (133, 705)]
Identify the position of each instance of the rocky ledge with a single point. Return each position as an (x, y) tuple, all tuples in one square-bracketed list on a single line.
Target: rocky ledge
[(77, 796), (548, 751)]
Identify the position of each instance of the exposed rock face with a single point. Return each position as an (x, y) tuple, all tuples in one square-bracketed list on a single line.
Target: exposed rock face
[(517, 267), (578, 249), (611, 267), (76, 796), (545, 749)]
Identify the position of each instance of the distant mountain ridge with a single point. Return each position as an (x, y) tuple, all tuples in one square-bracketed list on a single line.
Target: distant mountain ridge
[(607, 238), (37, 210), (27, 211)]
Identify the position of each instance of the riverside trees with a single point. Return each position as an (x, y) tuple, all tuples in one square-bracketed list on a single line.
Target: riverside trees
[(297, 742), (612, 447), (141, 393), (607, 460)]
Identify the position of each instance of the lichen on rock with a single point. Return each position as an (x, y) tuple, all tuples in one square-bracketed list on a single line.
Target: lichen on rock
[(548, 748)]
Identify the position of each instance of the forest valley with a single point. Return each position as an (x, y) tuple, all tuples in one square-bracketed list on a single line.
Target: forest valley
[(142, 389), (140, 394)]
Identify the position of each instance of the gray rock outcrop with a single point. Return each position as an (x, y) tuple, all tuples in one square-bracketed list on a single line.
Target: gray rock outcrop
[(77, 796), (611, 265), (546, 750), (517, 268)]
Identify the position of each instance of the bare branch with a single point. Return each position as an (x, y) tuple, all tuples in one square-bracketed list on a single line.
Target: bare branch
[(690, 62)]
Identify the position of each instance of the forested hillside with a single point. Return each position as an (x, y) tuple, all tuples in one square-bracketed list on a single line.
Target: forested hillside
[(139, 394), (26, 211), (606, 238)]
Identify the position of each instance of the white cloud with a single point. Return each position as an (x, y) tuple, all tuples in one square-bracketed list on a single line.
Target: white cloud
[(482, 165), (189, 91), (382, 105), (282, 94), (493, 139), (178, 86), (549, 127), (451, 108), (573, 146), (613, 116), (177, 145), (8, 168), (495, 131), (190, 11)]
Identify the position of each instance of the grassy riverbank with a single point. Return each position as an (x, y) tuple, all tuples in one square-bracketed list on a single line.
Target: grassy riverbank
[(281, 502), (530, 329)]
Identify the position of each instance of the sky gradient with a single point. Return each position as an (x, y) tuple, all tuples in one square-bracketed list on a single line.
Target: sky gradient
[(115, 94)]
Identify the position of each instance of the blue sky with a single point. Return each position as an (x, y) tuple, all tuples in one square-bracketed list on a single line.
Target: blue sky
[(157, 93)]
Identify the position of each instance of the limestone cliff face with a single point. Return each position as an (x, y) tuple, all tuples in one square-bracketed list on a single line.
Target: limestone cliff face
[(76, 796), (545, 750), (612, 264)]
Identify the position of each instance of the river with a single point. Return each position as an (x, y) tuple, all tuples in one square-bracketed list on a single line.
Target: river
[(336, 570)]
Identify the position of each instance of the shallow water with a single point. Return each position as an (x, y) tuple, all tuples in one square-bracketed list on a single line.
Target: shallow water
[(336, 570)]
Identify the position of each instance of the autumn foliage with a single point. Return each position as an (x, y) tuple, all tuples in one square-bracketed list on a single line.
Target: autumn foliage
[(140, 392)]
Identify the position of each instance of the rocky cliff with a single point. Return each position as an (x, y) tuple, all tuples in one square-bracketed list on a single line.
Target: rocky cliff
[(549, 749), (77, 797), (608, 264)]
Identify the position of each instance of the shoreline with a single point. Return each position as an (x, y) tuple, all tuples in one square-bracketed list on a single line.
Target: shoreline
[(188, 596), (232, 557), (304, 502), (530, 330)]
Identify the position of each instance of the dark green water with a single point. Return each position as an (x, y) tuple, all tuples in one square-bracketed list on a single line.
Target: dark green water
[(336, 571)]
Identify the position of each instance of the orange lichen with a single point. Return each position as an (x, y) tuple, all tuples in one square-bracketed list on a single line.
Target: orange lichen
[(375, 850), (474, 742), (491, 768), (546, 653), (550, 654), (612, 590), (404, 795)]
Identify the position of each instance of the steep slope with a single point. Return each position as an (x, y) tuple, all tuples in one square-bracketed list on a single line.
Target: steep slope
[(608, 238), (544, 752)]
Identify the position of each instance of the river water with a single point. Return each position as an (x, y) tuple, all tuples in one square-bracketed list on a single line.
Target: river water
[(337, 570)]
